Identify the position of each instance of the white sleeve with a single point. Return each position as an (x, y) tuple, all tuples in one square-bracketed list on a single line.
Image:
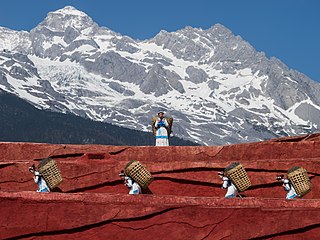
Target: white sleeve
[(36, 176), (225, 182), (156, 123), (287, 187)]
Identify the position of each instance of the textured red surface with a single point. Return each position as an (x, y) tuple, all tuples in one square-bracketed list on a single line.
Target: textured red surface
[(186, 201), (114, 216)]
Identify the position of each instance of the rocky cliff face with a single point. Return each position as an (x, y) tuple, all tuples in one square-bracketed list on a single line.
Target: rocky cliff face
[(217, 87), (184, 201)]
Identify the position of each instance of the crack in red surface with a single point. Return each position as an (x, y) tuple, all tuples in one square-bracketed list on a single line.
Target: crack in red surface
[(90, 226)]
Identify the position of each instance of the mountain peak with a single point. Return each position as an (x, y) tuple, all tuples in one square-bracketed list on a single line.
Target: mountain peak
[(221, 29), (68, 16), (70, 10)]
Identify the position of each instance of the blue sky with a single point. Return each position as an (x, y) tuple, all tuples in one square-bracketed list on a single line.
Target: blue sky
[(286, 29)]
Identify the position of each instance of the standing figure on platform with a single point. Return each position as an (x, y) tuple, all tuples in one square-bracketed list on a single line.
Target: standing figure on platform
[(161, 125), (133, 186), (42, 185), (288, 187), (232, 191)]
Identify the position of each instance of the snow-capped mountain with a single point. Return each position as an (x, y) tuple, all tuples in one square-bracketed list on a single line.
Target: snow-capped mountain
[(217, 87)]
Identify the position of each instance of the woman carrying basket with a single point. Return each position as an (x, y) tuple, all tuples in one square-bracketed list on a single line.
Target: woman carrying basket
[(227, 184), (133, 186), (42, 185), (288, 187)]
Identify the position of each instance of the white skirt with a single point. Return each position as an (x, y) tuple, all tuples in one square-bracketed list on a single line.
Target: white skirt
[(162, 142), (162, 137)]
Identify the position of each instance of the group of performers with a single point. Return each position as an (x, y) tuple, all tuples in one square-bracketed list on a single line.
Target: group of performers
[(227, 184), (162, 130), (161, 126), (134, 187), (232, 191)]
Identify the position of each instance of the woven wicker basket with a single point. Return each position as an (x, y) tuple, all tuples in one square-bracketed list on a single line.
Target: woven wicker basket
[(153, 121), (238, 175), (300, 181), (138, 173), (50, 172)]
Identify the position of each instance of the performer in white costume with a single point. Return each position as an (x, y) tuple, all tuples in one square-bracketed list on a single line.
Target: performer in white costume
[(42, 185), (288, 187), (227, 184), (132, 185), (161, 124)]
